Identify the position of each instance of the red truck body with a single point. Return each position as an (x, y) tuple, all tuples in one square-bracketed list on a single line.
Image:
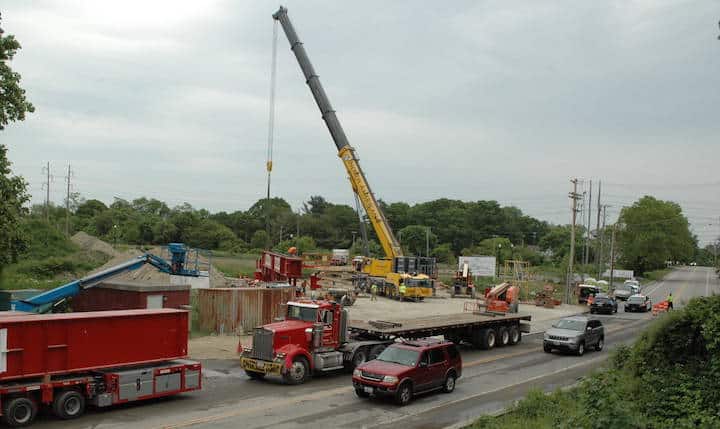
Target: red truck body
[(68, 361), (38, 345)]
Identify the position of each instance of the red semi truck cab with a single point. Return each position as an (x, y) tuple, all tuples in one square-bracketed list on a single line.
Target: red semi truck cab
[(312, 338)]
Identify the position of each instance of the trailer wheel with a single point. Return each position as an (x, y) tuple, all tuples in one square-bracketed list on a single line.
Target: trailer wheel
[(69, 404), (360, 357), (375, 351), (298, 371), (488, 338), (515, 335), (18, 412), (503, 336)]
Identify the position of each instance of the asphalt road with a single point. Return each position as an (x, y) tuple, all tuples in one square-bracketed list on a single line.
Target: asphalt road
[(491, 381)]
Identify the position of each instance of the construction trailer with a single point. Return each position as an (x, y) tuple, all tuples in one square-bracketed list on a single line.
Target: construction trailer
[(278, 267), (72, 360), (317, 336)]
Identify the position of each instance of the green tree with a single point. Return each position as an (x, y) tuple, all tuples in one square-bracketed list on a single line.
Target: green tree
[(414, 239), (259, 240), (13, 104), (653, 231), (13, 195)]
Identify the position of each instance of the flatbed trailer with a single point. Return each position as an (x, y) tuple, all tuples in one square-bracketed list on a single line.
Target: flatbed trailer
[(483, 330)]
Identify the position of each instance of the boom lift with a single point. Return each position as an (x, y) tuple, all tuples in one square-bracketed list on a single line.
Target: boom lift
[(381, 268), (47, 301)]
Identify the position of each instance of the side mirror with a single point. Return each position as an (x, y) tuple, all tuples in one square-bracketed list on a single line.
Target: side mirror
[(589, 328), (423, 364)]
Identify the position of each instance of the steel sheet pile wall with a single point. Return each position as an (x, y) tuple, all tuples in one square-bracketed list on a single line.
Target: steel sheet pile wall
[(238, 310), (58, 343)]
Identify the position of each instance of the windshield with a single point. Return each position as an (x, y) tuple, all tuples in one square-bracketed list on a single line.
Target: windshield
[(302, 313), (573, 325), (636, 299), (399, 355), (417, 283), (601, 300)]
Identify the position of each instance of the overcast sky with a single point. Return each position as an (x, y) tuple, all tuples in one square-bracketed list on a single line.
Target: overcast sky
[(465, 99)]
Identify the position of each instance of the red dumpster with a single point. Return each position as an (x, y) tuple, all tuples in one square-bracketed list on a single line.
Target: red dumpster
[(39, 345)]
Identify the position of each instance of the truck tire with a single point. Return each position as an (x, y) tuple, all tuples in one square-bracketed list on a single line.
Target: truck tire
[(359, 357), (547, 348), (600, 344), (69, 404), (449, 384), (515, 335), (375, 351), (19, 412), (255, 375), (503, 336), (299, 371), (361, 393), (485, 338), (404, 394)]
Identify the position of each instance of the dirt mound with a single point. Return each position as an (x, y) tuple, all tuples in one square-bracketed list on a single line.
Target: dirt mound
[(89, 243)]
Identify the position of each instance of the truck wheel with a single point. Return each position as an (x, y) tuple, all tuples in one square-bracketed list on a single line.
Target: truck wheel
[(514, 335), (298, 372), (503, 336), (488, 337), (69, 404), (18, 412), (255, 375), (404, 394), (360, 357), (375, 351)]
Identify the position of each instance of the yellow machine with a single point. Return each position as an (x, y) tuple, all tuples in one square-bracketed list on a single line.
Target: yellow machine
[(380, 268)]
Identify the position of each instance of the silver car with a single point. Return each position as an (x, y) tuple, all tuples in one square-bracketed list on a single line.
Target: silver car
[(574, 334)]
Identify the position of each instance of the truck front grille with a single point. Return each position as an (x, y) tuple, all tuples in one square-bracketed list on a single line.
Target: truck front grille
[(262, 347)]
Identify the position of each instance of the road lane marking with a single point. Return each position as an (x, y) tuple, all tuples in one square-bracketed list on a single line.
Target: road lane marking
[(347, 389)]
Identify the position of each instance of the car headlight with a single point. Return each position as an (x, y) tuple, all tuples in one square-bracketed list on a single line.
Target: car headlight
[(390, 379), (357, 372)]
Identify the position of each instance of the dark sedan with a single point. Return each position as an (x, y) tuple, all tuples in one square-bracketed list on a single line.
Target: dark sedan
[(603, 304)]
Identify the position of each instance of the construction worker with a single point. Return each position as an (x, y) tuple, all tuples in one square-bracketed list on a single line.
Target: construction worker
[(373, 292), (402, 290), (670, 301)]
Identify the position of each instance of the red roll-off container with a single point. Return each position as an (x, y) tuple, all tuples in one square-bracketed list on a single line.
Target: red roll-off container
[(38, 345)]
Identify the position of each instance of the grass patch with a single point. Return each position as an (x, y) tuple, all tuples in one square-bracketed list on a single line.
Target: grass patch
[(657, 274), (235, 265), (50, 272)]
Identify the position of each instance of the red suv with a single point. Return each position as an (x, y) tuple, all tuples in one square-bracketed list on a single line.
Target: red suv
[(409, 368)]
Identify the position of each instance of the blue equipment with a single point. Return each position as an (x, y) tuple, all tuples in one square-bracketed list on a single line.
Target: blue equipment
[(46, 301)]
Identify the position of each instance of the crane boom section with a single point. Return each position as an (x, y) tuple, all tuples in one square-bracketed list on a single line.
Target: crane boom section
[(360, 185), (346, 153)]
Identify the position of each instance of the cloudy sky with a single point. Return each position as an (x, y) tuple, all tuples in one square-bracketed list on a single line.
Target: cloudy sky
[(465, 99)]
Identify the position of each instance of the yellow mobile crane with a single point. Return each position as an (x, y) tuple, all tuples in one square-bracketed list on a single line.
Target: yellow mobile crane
[(396, 269)]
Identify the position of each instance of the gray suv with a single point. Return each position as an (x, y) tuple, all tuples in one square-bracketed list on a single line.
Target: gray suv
[(574, 334)]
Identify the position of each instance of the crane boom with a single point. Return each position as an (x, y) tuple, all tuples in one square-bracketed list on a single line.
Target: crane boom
[(347, 154)]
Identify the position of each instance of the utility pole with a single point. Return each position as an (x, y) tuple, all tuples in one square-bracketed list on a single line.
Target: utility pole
[(612, 256), (427, 241), (589, 221), (46, 171), (67, 202), (597, 228), (602, 240), (574, 196)]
